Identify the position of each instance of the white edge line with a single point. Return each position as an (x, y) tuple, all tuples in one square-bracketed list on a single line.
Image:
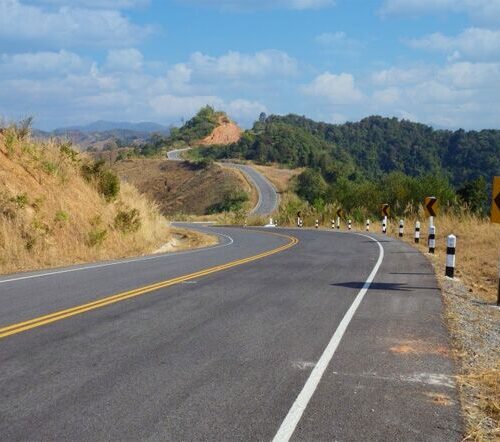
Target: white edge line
[(127, 261), (292, 419)]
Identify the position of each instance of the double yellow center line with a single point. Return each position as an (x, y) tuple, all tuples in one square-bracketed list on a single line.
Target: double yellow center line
[(62, 314)]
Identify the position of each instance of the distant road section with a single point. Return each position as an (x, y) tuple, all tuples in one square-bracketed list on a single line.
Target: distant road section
[(268, 196)]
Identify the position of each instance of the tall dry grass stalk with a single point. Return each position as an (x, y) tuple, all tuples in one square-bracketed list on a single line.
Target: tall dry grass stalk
[(51, 216)]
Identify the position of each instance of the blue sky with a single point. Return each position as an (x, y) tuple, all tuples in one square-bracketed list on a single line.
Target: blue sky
[(73, 62)]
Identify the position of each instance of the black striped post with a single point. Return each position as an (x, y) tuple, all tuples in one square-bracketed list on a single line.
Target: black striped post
[(384, 225), (367, 225), (432, 239), (349, 225), (451, 244), (317, 223), (333, 224), (417, 232), (338, 222), (401, 228)]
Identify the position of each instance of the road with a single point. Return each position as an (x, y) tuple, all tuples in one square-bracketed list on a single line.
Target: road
[(305, 335), (268, 198)]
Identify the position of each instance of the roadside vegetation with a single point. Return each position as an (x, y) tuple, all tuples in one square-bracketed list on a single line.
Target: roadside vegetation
[(59, 207)]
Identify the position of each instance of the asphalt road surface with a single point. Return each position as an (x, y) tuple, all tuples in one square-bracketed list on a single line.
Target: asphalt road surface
[(267, 195), (332, 336)]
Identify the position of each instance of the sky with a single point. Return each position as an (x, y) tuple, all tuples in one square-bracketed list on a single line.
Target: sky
[(74, 62)]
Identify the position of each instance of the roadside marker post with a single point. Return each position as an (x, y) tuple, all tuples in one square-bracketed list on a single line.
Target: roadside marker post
[(417, 232), (451, 244), (317, 223), (349, 225), (367, 225), (384, 225), (333, 224), (338, 222), (401, 228), (432, 239)]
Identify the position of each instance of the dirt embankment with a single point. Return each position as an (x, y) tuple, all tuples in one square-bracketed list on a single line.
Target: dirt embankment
[(226, 133), (179, 187), (51, 215)]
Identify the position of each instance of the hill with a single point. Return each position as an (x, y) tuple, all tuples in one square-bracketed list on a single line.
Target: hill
[(373, 147), (185, 188), (58, 207), (207, 127)]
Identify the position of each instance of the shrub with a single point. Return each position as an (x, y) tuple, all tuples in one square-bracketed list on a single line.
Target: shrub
[(20, 200), (108, 183), (96, 237), (61, 216), (232, 201), (128, 221)]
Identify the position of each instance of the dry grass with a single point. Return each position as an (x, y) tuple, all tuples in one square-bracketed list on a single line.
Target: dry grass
[(472, 319), (51, 216), (280, 177)]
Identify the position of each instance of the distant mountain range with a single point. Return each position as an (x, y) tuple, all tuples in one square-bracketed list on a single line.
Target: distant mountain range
[(100, 134), (104, 126)]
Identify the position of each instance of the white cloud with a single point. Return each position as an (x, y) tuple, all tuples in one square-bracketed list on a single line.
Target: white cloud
[(172, 106), (337, 89), (124, 59), (245, 5), (67, 26), (235, 65), (484, 11), (398, 76), (389, 95), (179, 78), (104, 4), (55, 63), (462, 94), (472, 44), (338, 42)]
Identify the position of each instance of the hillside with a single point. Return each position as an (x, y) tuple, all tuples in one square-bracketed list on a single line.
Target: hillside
[(207, 127), (369, 149), (58, 207), (184, 188)]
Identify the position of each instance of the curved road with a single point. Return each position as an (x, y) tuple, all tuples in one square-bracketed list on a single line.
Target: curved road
[(305, 335), (267, 195)]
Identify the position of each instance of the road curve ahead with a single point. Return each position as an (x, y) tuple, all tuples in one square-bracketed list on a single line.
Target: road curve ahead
[(335, 337), (268, 199)]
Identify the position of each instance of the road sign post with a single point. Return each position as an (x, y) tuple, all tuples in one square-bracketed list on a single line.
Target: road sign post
[(431, 209), (367, 225), (384, 209), (340, 212)]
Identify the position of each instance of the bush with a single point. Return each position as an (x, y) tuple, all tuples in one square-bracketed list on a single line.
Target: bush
[(128, 221), (108, 183), (61, 216), (232, 201), (96, 237)]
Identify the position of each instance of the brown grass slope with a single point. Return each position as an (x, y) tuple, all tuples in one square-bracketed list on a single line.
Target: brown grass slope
[(50, 215), (179, 187)]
